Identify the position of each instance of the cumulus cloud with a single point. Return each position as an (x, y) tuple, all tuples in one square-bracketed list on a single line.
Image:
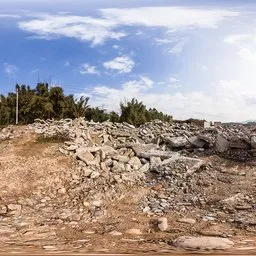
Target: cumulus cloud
[(228, 100), (87, 69), (107, 25), (122, 64), (10, 69)]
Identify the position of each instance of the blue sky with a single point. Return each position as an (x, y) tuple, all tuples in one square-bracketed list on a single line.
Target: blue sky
[(187, 58)]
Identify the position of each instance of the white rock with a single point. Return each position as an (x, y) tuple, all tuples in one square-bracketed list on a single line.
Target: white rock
[(163, 224), (95, 175), (135, 162), (203, 243), (115, 233), (187, 221), (133, 231), (87, 172)]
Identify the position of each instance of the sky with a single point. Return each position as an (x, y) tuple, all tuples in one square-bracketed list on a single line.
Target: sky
[(190, 59)]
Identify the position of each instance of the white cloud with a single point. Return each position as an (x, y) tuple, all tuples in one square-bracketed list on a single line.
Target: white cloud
[(82, 28), (228, 100), (122, 64), (172, 18), (237, 39), (175, 44), (10, 69), (109, 21), (245, 44), (87, 69)]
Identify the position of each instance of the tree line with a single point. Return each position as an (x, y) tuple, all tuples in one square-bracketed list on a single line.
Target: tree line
[(47, 102)]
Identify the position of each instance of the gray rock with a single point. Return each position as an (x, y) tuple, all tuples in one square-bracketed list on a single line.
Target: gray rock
[(123, 159), (221, 143), (195, 141), (253, 141), (177, 142), (145, 167)]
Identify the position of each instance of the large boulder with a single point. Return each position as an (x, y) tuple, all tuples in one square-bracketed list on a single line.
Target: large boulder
[(221, 143), (177, 142)]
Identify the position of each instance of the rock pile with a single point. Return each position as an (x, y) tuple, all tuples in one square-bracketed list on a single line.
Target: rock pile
[(234, 141), (111, 156)]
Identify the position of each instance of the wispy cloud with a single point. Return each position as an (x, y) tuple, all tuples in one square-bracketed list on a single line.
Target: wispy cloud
[(10, 69), (110, 21), (245, 44), (122, 64), (86, 69), (86, 29), (171, 18), (9, 16)]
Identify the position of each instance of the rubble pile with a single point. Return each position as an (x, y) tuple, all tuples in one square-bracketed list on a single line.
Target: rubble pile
[(113, 156)]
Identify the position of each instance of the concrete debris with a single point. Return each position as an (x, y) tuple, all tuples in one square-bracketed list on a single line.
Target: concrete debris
[(110, 156)]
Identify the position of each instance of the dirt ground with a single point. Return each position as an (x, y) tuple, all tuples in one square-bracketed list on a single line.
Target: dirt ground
[(30, 174)]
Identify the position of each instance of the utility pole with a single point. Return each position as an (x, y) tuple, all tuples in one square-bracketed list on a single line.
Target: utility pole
[(17, 106)]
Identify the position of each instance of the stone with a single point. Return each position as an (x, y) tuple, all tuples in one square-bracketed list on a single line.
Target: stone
[(135, 163), (145, 167), (87, 157), (177, 142), (62, 191), (3, 209), (162, 224), (133, 231), (72, 148), (253, 141), (124, 159), (203, 243), (95, 175), (196, 142), (211, 233), (187, 221), (115, 233), (14, 209), (97, 203), (155, 161), (118, 167), (221, 143), (159, 153), (87, 172)]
